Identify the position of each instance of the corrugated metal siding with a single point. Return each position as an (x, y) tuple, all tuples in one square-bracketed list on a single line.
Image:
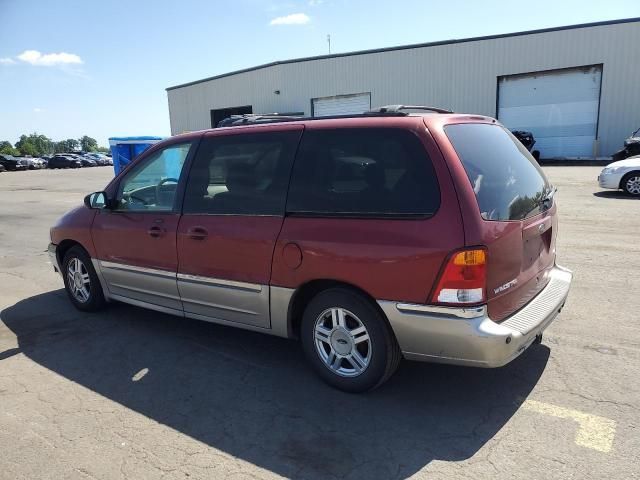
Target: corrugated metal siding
[(461, 76), (341, 105)]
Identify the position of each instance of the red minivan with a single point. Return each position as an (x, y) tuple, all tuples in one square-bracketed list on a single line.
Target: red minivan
[(373, 237)]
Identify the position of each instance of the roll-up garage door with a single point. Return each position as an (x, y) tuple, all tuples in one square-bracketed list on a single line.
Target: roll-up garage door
[(559, 107), (341, 105)]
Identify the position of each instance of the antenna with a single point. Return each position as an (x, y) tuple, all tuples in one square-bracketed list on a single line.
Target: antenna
[(329, 42)]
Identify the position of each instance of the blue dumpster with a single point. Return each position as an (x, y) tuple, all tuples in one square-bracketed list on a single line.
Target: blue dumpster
[(125, 149)]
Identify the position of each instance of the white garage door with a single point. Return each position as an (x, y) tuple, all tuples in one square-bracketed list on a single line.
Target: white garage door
[(341, 105), (559, 107)]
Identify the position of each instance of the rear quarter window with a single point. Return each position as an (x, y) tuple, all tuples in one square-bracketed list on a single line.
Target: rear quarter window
[(507, 181), (363, 172)]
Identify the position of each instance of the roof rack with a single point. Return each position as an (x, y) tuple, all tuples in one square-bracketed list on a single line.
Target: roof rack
[(387, 110), (249, 118), (400, 108)]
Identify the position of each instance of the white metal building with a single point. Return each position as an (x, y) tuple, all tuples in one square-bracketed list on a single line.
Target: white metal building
[(577, 88)]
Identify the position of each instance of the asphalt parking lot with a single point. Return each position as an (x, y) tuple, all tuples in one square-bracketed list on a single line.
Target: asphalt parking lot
[(134, 394)]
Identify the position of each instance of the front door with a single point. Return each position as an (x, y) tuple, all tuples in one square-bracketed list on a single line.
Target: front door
[(232, 215), (136, 241)]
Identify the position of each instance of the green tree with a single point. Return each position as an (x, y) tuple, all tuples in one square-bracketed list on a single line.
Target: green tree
[(68, 145), (34, 145), (8, 149), (88, 144)]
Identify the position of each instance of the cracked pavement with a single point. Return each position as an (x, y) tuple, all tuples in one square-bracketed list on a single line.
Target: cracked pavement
[(214, 402)]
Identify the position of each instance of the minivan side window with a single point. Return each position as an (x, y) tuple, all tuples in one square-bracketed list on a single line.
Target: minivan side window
[(152, 185), (244, 174), (507, 181), (363, 172)]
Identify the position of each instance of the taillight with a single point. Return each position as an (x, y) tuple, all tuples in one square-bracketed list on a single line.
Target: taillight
[(463, 279)]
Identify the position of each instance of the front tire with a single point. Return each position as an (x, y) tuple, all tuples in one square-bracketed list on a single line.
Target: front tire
[(348, 341), (631, 183), (81, 281)]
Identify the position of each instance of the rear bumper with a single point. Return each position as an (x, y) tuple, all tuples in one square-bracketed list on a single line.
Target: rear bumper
[(467, 336)]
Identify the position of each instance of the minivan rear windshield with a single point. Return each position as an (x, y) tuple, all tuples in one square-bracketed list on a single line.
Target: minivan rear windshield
[(507, 181)]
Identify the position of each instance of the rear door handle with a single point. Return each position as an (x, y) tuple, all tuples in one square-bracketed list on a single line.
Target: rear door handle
[(197, 233), (156, 231)]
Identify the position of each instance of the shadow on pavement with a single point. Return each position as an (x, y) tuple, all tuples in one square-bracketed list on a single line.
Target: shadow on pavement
[(252, 395), (615, 194)]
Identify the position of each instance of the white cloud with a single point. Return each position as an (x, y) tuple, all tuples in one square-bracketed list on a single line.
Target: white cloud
[(315, 3), (293, 19), (38, 110), (7, 61), (34, 57)]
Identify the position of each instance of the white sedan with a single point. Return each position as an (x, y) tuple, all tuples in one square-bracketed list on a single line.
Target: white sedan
[(622, 175)]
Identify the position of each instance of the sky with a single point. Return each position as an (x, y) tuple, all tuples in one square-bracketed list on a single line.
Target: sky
[(100, 67)]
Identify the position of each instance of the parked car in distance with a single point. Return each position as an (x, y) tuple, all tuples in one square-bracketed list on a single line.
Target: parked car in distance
[(33, 163), (528, 140), (101, 160), (622, 175), (404, 232), (9, 162), (631, 147), (87, 162), (61, 161)]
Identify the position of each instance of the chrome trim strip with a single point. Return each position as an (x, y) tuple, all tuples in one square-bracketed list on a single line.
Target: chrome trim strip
[(227, 323), (151, 306), (252, 287), (218, 306), (145, 291), (458, 312), (133, 268)]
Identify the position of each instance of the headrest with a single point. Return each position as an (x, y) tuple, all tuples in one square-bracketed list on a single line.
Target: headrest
[(374, 175), (240, 178)]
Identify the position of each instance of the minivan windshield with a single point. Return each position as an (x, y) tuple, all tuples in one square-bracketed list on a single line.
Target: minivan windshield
[(507, 181)]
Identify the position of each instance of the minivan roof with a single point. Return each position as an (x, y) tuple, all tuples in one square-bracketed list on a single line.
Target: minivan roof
[(350, 121)]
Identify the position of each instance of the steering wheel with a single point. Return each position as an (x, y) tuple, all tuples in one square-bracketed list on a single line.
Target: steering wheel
[(159, 185), (129, 197)]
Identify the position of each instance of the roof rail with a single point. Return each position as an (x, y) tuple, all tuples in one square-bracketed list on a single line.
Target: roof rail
[(400, 108), (387, 110), (248, 118)]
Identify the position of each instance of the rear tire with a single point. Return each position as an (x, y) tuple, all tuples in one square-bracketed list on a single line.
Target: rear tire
[(81, 281), (631, 183), (348, 341)]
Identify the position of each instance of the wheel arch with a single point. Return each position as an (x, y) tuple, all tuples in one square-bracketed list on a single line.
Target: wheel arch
[(307, 291), (625, 176), (65, 245)]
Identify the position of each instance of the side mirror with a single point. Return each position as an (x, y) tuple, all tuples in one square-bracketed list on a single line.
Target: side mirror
[(97, 200)]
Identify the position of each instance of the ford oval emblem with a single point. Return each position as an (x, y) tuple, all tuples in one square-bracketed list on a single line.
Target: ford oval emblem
[(541, 228)]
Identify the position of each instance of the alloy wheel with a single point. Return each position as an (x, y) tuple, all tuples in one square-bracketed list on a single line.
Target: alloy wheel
[(342, 342), (633, 185), (78, 280)]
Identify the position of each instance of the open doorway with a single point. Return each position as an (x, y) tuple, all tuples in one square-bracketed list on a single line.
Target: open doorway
[(219, 114)]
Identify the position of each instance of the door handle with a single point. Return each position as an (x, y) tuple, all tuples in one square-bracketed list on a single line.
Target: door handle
[(197, 233), (156, 231)]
